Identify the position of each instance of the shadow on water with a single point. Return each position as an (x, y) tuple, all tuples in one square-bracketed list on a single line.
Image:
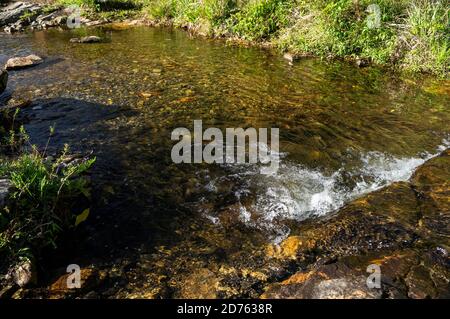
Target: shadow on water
[(127, 214)]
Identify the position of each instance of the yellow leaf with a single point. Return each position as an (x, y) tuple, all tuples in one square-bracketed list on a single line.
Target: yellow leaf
[(82, 217)]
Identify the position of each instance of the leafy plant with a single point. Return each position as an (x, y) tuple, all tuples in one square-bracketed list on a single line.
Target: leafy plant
[(260, 19), (43, 201)]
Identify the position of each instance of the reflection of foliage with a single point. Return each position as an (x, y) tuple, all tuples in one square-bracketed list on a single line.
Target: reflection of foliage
[(412, 34)]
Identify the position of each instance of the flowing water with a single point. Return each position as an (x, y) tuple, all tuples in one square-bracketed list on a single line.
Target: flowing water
[(344, 131)]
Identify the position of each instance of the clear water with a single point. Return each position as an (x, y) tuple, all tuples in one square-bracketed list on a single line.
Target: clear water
[(344, 131)]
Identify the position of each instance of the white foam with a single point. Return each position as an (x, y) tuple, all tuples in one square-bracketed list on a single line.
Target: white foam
[(297, 192)]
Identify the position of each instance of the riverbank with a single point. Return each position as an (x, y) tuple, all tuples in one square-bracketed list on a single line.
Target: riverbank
[(403, 35), (43, 195)]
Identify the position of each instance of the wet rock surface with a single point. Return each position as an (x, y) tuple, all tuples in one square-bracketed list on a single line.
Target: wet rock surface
[(403, 228), (12, 12), (334, 281), (22, 274), (87, 39)]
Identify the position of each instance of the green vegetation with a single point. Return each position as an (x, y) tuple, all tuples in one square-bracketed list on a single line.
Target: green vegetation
[(46, 195), (408, 34), (261, 19)]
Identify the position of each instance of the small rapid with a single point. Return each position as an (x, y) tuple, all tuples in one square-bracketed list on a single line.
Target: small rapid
[(297, 192)]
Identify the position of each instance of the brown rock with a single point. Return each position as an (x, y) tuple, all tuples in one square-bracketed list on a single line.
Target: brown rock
[(90, 278), (23, 274), (383, 219), (431, 181), (202, 284), (23, 62), (419, 283), (334, 281), (289, 248), (291, 57)]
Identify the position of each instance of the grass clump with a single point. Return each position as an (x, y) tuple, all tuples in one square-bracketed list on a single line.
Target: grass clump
[(259, 20), (45, 197), (161, 9), (344, 28), (428, 37), (411, 34)]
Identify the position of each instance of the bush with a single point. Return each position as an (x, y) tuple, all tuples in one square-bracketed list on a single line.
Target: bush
[(343, 28), (44, 199), (429, 34), (260, 19), (161, 9)]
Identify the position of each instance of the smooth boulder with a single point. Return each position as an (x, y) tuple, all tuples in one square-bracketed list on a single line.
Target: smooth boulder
[(88, 39), (23, 62)]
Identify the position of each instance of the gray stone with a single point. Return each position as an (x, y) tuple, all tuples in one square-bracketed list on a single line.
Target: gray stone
[(12, 12), (22, 62), (15, 27), (362, 63), (22, 274), (291, 57), (88, 39), (53, 19)]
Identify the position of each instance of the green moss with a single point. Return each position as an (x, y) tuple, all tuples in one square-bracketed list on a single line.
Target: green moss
[(161, 9)]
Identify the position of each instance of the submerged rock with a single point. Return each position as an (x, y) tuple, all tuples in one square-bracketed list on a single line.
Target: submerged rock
[(90, 278), (412, 218), (23, 62), (200, 285), (291, 57), (88, 39), (335, 281), (3, 80)]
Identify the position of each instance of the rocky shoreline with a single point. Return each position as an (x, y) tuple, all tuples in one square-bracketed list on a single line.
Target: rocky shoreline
[(20, 16)]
